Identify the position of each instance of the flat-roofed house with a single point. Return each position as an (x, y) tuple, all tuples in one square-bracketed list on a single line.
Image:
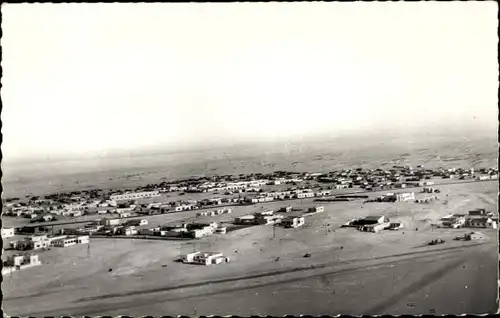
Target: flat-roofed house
[(480, 221), (293, 221), (7, 232), (71, 240), (317, 209), (206, 258)]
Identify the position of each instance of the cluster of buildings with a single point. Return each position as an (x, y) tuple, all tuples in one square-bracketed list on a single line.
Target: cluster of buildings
[(215, 212), (20, 261), (205, 258), (395, 197), (478, 218), (46, 210), (37, 242), (266, 217), (488, 177), (427, 199), (128, 196), (430, 190), (259, 218), (141, 227), (293, 221), (285, 195)]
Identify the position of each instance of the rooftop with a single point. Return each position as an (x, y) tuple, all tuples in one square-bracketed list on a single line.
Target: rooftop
[(373, 217)]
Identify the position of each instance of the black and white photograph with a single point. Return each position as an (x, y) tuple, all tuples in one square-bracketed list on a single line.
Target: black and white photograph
[(249, 159)]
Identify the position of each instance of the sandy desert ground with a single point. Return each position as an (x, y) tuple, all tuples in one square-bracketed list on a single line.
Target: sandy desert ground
[(350, 272)]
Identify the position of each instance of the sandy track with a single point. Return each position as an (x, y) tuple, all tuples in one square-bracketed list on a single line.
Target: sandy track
[(122, 301)]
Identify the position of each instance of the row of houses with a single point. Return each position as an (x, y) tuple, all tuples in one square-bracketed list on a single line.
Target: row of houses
[(38, 242), (269, 217), (135, 195), (488, 177), (396, 197), (18, 262), (227, 186), (215, 212), (427, 199), (140, 227), (478, 218)]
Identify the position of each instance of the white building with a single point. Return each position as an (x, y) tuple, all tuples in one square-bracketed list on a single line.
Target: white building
[(71, 240), (317, 209), (406, 196), (293, 222), (265, 212), (110, 222), (135, 195), (184, 207), (322, 193), (304, 195), (7, 232), (18, 262), (124, 214), (205, 258)]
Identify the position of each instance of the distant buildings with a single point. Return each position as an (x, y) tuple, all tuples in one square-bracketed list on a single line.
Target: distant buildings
[(135, 195)]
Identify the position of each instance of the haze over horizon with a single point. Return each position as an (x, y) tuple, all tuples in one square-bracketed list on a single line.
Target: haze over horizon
[(104, 78)]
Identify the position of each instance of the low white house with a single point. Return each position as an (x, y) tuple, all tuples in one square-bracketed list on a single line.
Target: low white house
[(318, 208), (7, 232), (293, 222), (205, 258), (265, 212), (71, 240), (305, 195), (110, 222), (18, 262)]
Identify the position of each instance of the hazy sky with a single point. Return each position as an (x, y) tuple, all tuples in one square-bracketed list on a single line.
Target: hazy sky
[(98, 77)]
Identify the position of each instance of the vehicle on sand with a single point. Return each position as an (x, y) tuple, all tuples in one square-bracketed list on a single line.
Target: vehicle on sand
[(436, 242)]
